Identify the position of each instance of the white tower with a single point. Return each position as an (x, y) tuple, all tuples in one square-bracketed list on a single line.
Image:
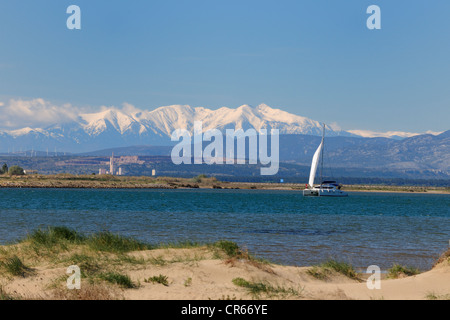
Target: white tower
[(111, 165)]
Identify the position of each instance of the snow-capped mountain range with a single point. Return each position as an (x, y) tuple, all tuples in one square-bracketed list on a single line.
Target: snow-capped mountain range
[(114, 127), (163, 121)]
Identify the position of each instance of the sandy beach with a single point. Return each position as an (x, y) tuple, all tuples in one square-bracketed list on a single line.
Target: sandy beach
[(210, 272)]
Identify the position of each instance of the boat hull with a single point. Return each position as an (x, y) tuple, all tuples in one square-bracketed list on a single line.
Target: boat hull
[(324, 193)]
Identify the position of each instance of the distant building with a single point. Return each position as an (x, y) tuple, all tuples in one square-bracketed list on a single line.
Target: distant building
[(114, 164), (111, 164), (153, 172), (129, 160)]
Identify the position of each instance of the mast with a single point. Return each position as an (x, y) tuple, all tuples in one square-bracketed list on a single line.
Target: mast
[(323, 148)]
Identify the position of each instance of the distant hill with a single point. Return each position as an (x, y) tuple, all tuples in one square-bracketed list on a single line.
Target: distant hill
[(131, 151), (425, 155)]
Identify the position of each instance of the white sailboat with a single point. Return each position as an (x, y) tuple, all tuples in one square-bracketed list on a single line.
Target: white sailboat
[(326, 188)]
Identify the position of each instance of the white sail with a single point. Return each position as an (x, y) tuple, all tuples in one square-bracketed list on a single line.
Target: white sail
[(314, 165)]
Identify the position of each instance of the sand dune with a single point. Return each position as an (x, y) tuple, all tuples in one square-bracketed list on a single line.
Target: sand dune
[(198, 274)]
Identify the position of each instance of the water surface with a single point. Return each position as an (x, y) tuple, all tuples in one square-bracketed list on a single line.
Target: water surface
[(282, 226)]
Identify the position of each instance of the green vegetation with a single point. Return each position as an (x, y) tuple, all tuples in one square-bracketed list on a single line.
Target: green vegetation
[(16, 171), (188, 282), (161, 279), (434, 296), (234, 255), (105, 259), (319, 273), (117, 278), (105, 241), (102, 256), (229, 247), (14, 266), (4, 169), (325, 270), (109, 242), (102, 241), (445, 257), (398, 271), (53, 236), (197, 179), (263, 288)]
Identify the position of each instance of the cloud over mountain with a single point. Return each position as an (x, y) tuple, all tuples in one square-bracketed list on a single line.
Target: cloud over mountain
[(16, 113), (40, 124)]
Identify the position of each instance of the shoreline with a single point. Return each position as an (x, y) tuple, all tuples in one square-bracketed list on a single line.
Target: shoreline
[(124, 182)]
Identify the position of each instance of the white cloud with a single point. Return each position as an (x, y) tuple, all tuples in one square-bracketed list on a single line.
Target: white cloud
[(34, 113), (130, 109), (39, 113)]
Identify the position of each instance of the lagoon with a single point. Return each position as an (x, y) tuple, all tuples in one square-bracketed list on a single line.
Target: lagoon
[(282, 226)]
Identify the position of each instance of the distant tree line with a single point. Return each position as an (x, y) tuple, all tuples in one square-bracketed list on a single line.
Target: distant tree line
[(13, 171)]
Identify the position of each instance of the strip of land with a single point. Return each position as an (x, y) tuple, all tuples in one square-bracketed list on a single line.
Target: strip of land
[(200, 182), (115, 267)]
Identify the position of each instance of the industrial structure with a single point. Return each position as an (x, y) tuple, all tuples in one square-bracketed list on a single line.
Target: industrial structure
[(114, 165), (111, 171)]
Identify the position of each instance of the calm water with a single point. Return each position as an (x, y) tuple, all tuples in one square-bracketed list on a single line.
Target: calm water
[(282, 226)]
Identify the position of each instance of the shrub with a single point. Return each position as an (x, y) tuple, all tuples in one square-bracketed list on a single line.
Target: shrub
[(230, 248), (4, 169), (16, 171)]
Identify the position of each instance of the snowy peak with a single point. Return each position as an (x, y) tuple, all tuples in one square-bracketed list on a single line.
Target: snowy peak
[(167, 119), (163, 121), (108, 120)]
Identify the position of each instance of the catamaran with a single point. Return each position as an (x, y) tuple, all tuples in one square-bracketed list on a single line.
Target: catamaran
[(326, 188)]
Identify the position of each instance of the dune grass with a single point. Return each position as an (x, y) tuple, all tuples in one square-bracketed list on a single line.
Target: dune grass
[(434, 296), (104, 258), (161, 279), (122, 280), (63, 237), (14, 266), (262, 288), (445, 257), (54, 235), (101, 256), (326, 269), (398, 271), (109, 242), (229, 247)]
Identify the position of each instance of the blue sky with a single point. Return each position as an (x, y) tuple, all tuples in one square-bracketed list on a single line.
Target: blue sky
[(313, 58)]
